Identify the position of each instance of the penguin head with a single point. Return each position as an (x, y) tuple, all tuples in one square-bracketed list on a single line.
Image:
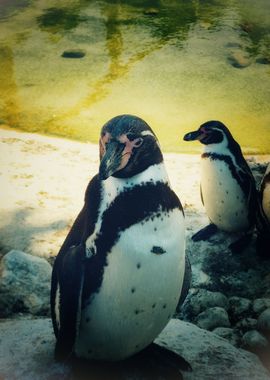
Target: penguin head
[(211, 132), (127, 146)]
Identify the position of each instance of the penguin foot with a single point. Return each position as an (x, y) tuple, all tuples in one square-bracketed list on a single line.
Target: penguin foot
[(205, 233), (239, 245)]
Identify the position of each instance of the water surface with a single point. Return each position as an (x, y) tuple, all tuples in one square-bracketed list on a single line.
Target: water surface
[(66, 67)]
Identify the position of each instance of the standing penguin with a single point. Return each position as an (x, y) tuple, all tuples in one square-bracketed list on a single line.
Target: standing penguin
[(228, 189), (263, 216), (118, 277)]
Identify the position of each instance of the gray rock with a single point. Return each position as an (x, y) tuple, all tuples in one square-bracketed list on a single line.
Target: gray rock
[(239, 308), (260, 304), (199, 277), (204, 299), (25, 282), (253, 340), (229, 334), (26, 353), (212, 318), (264, 321), (246, 324)]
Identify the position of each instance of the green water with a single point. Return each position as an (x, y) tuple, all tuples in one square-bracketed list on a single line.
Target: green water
[(176, 64)]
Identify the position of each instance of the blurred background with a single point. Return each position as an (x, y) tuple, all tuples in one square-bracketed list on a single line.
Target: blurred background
[(66, 67)]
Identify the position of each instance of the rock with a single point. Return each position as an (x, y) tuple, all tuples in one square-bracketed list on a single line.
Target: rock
[(26, 353), (151, 12), (239, 59), (260, 304), (246, 324), (72, 53), (264, 321), (229, 334), (253, 340), (263, 60), (25, 282), (239, 308), (212, 318), (199, 277), (202, 300)]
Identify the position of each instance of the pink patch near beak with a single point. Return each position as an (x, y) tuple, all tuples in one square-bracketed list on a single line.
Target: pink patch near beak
[(127, 152)]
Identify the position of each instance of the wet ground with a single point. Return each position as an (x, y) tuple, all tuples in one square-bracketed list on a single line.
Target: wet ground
[(66, 67)]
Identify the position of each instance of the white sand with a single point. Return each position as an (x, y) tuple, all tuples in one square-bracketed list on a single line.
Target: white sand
[(43, 180)]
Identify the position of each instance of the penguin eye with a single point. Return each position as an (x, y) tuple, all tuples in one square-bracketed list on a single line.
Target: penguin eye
[(137, 142)]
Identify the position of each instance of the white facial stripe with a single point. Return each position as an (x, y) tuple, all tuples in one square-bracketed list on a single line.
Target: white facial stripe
[(147, 133)]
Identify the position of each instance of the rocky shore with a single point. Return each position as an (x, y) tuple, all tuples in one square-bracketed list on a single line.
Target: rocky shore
[(43, 180)]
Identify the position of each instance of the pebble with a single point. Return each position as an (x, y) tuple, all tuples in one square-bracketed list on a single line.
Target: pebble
[(229, 334), (212, 318), (204, 299), (239, 59), (263, 60), (151, 12), (253, 340), (246, 324), (260, 304), (239, 308), (264, 321)]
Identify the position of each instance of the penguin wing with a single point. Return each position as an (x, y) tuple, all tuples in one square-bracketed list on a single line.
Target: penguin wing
[(248, 185), (201, 193), (186, 284), (68, 272)]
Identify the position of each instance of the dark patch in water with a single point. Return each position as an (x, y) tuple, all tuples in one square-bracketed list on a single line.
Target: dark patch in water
[(73, 54)]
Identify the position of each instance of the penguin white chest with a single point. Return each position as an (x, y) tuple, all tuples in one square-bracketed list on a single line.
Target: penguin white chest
[(224, 200), (140, 290)]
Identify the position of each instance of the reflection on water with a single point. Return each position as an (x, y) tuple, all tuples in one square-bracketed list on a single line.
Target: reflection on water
[(174, 63)]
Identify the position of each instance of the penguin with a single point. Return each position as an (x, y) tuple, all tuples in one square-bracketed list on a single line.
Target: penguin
[(263, 216), (228, 189), (121, 271)]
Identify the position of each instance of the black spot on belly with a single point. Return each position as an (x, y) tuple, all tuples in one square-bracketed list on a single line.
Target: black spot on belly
[(153, 306), (138, 265), (138, 311), (164, 306), (155, 229), (158, 250), (236, 213), (133, 290), (227, 192)]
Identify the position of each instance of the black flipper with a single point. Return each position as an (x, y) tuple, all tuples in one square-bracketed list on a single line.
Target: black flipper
[(70, 273), (186, 284), (205, 233)]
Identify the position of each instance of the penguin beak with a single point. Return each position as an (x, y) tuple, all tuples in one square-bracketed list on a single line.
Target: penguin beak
[(111, 160), (196, 135)]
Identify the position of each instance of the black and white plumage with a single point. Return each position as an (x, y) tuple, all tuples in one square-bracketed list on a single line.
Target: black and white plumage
[(263, 216), (118, 277), (228, 189)]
